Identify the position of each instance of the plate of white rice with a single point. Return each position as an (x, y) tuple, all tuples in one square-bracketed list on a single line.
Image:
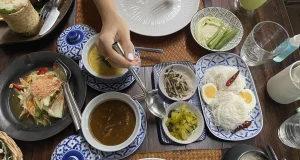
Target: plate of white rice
[(209, 68)]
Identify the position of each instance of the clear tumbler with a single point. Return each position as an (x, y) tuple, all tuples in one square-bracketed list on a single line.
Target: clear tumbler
[(289, 131), (265, 41)]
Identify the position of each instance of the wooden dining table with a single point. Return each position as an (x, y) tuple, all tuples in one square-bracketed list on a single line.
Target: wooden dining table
[(274, 114)]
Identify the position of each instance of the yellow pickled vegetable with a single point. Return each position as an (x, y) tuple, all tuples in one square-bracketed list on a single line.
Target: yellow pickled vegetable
[(181, 123)]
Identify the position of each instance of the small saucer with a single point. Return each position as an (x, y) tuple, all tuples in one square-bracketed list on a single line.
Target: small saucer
[(76, 147), (112, 86)]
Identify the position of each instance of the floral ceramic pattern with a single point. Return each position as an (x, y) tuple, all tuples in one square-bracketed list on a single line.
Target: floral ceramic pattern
[(73, 51), (108, 86), (194, 100), (228, 59), (76, 147)]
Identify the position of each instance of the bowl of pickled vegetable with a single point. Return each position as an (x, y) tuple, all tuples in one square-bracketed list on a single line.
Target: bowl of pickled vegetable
[(184, 123), (216, 29)]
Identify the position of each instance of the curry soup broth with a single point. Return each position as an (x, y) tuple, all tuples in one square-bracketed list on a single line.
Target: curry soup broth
[(112, 122), (100, 65)]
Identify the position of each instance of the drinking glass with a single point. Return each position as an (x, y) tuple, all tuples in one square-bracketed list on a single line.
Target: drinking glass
[(265, 41), (289, 131), (246, 7)]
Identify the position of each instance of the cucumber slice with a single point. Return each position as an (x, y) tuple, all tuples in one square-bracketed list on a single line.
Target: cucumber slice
[(4, 11)]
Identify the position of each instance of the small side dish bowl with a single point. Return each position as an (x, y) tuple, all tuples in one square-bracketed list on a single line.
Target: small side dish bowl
[(194, 109), (190, 78), (224, 15), (91, 106), (85, 59)]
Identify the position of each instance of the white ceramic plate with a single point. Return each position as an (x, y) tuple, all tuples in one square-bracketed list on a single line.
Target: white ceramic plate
[(156, 17), (187, 72), (199, 129)]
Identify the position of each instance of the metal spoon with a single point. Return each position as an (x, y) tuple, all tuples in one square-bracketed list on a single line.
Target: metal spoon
[(155, 50), (64, 74), (271, 152), (153, 101)]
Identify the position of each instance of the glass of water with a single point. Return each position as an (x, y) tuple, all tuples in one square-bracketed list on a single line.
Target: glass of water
[(289, 131), (265, 41)]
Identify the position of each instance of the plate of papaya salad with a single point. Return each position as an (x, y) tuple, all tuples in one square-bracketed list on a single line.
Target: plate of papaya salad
[(40, 96), (32, 102)]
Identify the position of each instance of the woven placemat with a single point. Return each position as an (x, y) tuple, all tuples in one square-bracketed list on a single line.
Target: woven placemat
[(212, 154), (179, 46)]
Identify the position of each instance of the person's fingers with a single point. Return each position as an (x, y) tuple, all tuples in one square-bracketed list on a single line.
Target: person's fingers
[(100, 44), (115, 59), (137, 59), (127, 45)]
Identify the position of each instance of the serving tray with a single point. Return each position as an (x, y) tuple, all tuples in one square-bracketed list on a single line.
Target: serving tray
[(157, 69), (229, 59), (7, 36)]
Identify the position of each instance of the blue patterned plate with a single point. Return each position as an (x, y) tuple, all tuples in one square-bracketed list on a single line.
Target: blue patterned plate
[(76, 146), (112, 86), (228, 59)]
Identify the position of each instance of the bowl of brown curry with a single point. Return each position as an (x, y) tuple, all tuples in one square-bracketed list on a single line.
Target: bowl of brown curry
[(111, 121)]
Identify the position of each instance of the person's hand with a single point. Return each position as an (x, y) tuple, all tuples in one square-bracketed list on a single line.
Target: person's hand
[(114, 29)]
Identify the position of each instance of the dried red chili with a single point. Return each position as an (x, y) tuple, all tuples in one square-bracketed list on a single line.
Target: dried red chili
[(229, 82), (244, 125)]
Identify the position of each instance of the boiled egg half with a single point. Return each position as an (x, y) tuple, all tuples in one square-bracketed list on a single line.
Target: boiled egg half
[(249, 98), (208, 92)]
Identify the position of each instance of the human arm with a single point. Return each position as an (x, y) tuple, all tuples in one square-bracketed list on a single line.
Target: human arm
[(114, 29)]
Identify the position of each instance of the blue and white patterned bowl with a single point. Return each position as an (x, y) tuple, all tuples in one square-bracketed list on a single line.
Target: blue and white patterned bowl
[(90, 107), (90, 44), (107, 86), (228, 59), (72, 40), (78, 147), (134, 145)]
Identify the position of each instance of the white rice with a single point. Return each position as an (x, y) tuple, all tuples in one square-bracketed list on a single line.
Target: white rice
[(12, 6), (219, 75)]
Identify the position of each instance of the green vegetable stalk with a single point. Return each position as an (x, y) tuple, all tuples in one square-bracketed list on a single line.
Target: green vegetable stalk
[(214, 36), (226, 38), (218, 38)]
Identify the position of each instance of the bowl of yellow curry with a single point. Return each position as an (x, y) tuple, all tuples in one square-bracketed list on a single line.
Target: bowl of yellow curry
[(96, 64)]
